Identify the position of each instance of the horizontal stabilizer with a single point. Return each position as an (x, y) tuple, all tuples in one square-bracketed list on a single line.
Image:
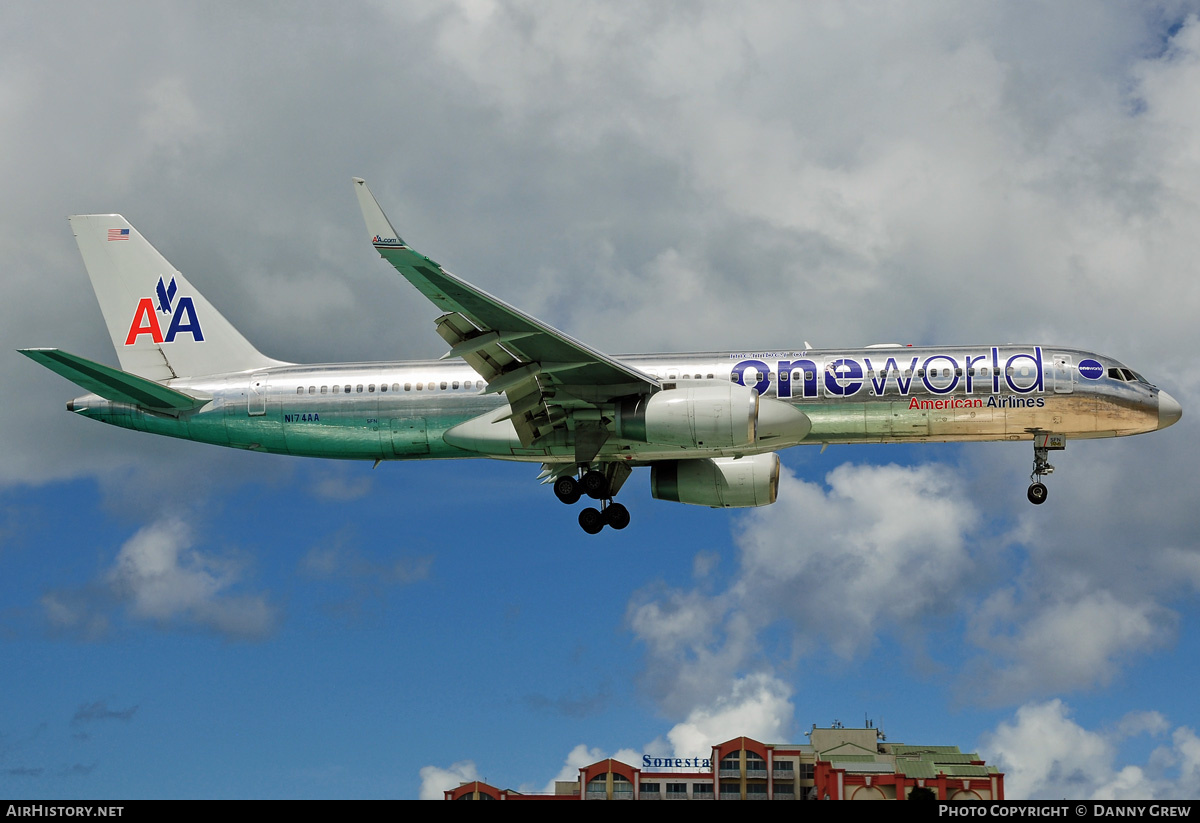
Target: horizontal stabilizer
[(114, 384)]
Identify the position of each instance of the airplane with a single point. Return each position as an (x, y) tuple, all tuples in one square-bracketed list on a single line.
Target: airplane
[(708, 425)]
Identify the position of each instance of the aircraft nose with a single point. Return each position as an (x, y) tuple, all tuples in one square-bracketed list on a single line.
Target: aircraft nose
[(1169, 410)]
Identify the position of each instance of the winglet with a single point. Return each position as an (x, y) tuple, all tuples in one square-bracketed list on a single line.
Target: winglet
[(383, 236)]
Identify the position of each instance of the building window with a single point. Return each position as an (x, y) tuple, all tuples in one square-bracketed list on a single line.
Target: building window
[(622, 787), (755, 765)]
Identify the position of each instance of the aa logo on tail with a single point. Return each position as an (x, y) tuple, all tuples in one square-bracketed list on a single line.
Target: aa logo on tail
[(182, 313)]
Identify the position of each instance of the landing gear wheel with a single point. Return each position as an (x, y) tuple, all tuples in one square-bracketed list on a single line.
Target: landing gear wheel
[(617, 516), (595, 485), (1041, 467), (591, 520), (567, 489)]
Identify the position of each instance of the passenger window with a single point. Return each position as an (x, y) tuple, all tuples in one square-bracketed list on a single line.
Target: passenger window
[(395, 387), (312, 389), (710, 377), (358, 388), (383, 386), (299, 390), (408, 386), (456, 384), (371, 387), (443, 385), (324, 390), (420, 386), (347, 389), (336, 389)]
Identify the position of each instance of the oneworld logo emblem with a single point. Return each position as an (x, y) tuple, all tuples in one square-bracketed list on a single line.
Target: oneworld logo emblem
[(1091, 369), (182, 313)]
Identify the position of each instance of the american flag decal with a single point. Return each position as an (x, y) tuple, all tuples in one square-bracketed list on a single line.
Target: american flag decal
[(118, 234)]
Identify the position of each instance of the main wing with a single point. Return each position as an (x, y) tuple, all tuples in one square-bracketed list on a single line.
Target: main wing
[(554, 384)]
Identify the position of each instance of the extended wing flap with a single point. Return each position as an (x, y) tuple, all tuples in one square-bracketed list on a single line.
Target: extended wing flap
[(114, 384)]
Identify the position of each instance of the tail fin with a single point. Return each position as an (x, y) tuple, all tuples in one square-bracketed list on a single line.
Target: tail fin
[(161, 327)]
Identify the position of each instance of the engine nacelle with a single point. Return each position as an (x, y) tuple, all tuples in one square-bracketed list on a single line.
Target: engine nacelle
[(720, 482), (711, 416)]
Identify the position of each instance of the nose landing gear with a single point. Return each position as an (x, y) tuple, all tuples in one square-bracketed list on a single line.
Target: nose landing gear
[(1043, 444)]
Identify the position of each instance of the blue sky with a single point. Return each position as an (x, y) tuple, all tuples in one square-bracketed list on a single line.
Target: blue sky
[(183, 621)]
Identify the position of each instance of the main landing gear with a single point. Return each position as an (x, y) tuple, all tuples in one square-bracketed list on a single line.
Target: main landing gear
[(598, 485), (1043, 444)]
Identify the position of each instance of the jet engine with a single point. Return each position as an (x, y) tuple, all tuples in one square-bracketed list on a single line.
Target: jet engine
[(713, 416), (719, 482)]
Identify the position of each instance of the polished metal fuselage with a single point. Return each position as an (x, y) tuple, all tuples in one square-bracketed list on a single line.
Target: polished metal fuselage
[(398, 411)]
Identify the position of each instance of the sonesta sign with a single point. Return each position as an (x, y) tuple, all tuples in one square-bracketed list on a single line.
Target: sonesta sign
[(649, 762)]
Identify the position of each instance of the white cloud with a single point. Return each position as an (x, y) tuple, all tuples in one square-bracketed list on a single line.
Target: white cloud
[(881, 548), (1070, 642), (580, 756), (1045, 754), (758, 706), (435, 780), (159, 577)]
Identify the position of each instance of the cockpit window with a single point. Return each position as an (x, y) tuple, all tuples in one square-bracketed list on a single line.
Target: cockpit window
[(1126, 375)]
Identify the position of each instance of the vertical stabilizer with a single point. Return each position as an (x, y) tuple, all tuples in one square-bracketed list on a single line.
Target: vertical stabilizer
[(161, 326)]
